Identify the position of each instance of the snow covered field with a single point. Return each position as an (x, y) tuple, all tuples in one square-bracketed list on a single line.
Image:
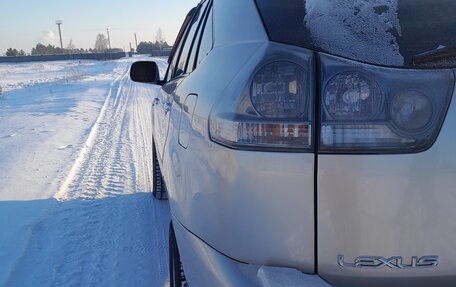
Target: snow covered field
[(75, 158)]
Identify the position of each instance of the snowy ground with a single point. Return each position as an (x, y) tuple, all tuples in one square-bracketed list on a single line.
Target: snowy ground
[(75, 158)]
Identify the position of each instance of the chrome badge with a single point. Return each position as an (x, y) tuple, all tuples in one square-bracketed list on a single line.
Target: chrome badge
[(395, 262)]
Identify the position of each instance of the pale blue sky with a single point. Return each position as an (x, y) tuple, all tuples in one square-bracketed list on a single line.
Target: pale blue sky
[(24, 23)]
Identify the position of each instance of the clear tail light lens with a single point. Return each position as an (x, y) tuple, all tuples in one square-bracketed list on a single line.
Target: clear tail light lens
[(273, 111), (260, 134), (371, 109)]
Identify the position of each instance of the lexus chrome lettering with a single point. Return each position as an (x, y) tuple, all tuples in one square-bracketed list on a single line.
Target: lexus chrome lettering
[(394, 262)]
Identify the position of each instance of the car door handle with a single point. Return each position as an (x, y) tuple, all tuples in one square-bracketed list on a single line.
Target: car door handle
[(167, 107), (155, 101)]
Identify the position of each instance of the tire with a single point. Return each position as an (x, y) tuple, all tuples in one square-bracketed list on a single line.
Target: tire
[(158, 185), (176, 272)]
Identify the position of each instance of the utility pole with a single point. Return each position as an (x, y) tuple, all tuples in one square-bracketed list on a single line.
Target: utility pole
[(130, 47), (136, 40), (109, 39), (59, 22)]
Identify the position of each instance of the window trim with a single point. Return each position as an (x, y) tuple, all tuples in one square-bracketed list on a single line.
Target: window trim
[(187, 32), (196, 41), (178, 43), (210, 10)]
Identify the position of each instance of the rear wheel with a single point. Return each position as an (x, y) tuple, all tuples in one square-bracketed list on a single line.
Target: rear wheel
[(158, 186), (176, 272)]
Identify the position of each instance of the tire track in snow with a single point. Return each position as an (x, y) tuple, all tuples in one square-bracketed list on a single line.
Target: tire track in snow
[(83, 161), (105, 229)]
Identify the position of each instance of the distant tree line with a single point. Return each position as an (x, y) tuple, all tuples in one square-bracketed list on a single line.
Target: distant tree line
[(147, 47), (160, 43), (101, 45), (14, 52), (41, 49)]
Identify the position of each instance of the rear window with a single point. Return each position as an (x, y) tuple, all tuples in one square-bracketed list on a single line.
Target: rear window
[(382, 32)]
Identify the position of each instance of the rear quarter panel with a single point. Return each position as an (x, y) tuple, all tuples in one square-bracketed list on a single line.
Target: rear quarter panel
[(390, 205), (232, 199)]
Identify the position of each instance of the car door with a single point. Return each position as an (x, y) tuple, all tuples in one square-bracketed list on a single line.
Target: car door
[(176, 73)]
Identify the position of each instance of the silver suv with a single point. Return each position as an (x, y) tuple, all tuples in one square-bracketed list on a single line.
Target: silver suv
[(309, 143)]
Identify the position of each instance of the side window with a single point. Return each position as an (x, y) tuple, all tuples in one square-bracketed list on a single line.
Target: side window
[(207, 39), (197, 42), (172, 66), (178, 45), (182, 61)]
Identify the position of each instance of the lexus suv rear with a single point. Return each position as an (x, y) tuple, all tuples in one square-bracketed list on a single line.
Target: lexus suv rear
[(309, 143)]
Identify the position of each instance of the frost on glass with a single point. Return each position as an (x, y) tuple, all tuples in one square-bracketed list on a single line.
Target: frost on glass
[(360, 29)]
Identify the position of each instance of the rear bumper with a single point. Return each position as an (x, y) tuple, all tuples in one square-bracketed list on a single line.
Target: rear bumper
[(205, 266)]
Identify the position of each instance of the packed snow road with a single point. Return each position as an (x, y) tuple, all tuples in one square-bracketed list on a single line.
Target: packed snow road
[(75, 165)]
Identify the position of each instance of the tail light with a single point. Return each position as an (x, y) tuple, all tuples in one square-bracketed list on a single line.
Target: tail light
[(372, 109), (362, 108), (273, 113)]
